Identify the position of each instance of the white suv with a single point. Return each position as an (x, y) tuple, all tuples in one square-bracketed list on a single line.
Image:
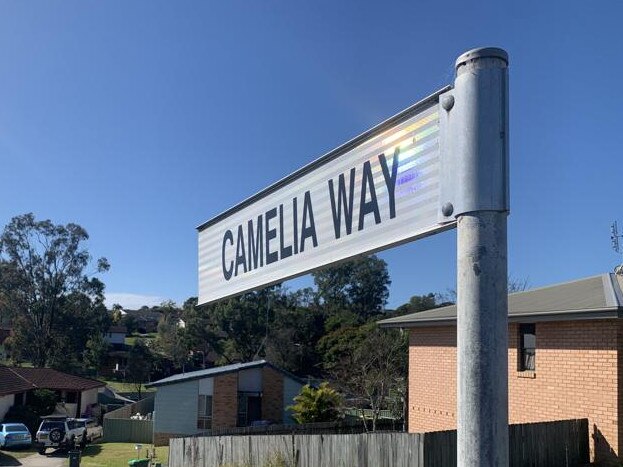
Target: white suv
[(57, 432)]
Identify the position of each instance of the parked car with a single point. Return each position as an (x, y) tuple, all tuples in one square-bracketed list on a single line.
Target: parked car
[(59, 432), (92, 430), (14, 434)]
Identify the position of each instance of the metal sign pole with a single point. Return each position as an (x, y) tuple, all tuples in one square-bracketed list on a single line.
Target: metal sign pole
[(480, 111)]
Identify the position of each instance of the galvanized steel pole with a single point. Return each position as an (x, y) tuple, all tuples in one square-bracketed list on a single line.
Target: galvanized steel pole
[(481, 116)]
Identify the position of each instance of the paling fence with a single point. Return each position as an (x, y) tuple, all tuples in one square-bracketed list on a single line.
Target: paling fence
[(558, 443), (119, 428)]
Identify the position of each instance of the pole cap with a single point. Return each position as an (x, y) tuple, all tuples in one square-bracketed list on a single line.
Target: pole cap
[(482, 52)]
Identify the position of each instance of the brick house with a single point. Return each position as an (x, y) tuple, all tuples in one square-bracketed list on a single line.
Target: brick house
[(222, 397), (565, 360)]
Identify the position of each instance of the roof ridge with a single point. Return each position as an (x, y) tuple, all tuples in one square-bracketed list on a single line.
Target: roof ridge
[(617, 293), (12, 370), (557, 284)]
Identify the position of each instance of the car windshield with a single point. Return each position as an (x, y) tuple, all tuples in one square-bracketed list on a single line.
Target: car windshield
[(15, 427), (49, 426)]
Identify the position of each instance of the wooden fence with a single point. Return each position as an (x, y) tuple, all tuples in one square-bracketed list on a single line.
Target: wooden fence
[(119, 430), (144, 406), (561, 443), (347, 426)]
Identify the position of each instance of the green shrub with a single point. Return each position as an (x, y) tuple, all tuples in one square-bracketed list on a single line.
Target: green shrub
[(317, 405)]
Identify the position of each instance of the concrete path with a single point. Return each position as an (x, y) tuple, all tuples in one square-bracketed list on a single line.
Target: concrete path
[(37, 460)]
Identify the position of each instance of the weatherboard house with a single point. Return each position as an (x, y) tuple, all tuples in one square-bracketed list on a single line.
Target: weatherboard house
[(238, 395), (565, 360)]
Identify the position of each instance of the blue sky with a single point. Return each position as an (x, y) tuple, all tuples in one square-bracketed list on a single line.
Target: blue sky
[(140, 120)]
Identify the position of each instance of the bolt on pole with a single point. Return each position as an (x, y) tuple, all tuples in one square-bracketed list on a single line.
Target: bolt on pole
[(480, 121)]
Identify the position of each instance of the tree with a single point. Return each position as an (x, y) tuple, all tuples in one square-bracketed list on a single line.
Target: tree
[(292, 339), (139, 365), (201, 336), (242, 323), (130, 323), (43, 274), (379, 372), (419, 303), (96, 352), (317, 405), (369, 364), (360, 285), (170, 339)]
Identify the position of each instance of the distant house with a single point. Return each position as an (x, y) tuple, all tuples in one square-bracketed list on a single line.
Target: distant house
[(565, 360), (117, 357), (146, 319), (222, 397), (116, 335), (77, 395)]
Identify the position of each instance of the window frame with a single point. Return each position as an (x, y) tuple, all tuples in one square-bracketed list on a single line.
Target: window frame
[(205, 419), (526, 356)]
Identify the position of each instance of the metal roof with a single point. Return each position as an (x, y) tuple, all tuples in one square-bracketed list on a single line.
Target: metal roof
[(589, 298), (218, 370)]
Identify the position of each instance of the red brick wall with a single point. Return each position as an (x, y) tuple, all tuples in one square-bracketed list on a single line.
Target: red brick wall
[(272, 395), (577, 376), (225, 401)]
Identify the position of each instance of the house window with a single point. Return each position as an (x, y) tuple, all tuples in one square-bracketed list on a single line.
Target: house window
[(204, 417), (249, 408), (527, 346)]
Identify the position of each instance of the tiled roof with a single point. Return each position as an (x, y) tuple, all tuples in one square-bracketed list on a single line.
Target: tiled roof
[(14, 380), (118, 329), (12, 383), (589, 298)]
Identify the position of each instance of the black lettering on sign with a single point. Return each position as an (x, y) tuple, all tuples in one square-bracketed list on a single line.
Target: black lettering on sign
[(271, 257), (367, 207), (227, 272), (256, 245), (342, 200), (241, 258), (284, 251), (295, 226), (308, 227), (390, 180)]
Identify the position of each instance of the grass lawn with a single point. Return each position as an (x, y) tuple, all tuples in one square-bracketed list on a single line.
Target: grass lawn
[(120, 386), (130, 340), (117, 454)]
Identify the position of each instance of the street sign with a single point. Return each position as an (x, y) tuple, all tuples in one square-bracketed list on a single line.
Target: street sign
[(378, 190), (441, 163)]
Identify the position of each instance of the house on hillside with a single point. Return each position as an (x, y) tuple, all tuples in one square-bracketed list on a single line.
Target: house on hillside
[(76, 396), (115, 336), (228, 396), (146, 319), (118, 351), (565, 360)]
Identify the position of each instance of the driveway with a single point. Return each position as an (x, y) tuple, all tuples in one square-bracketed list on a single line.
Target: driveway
[(53, 459)]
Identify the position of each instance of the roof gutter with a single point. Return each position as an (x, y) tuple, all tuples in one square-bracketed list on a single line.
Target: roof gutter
[(608, 313)]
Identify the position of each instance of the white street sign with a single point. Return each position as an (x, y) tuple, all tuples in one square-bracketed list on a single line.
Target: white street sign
[(378, 190)]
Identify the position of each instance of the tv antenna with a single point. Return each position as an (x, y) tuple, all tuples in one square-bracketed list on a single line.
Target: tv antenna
[(616, 244)]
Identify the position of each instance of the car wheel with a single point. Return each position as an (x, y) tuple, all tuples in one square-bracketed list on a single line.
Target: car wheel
[(56, 436), (41, 451)]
